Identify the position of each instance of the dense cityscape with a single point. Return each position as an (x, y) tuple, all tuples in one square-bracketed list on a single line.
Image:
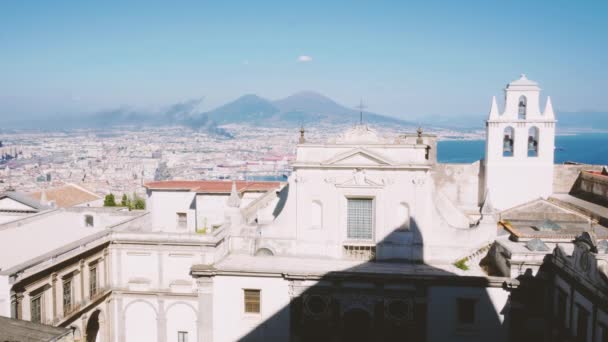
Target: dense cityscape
[(121, 160)]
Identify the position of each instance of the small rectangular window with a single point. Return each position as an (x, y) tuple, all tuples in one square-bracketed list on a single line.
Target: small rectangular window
[(36, 309), (252, 301), (67, 296), (466, 310), (182, 220), (182, 336), (89, 221), (92, 281)]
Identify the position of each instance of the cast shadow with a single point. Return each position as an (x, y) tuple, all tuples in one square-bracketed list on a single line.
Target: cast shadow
[(387, 300)]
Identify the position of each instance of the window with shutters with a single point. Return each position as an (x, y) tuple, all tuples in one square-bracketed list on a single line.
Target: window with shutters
[(360, 219), (252, 301), (67, 296), (93, 286), (182, 336), (36, 309)]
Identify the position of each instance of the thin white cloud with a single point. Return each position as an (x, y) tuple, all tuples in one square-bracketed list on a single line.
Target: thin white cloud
[(304, 59)]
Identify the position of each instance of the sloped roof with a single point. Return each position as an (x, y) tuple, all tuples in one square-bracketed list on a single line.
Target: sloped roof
[(522, 81), (25, 331), (67, 196), (211, 186), (24, 199)]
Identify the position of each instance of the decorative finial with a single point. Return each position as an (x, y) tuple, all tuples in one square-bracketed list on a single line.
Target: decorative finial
[(302, 139), (494, 109), (549, 108), (234, 201), (419, 139), (523, 76)]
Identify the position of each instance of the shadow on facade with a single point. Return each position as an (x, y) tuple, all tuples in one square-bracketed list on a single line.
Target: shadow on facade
[(389, 300)]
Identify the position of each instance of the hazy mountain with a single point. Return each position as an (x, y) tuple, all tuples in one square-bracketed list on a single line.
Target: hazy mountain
[(311, 106), (246, 109), (293, 110), (300, 108), (186, 114)]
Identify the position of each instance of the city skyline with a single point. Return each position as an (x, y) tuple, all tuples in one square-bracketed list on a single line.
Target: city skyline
[(73, 58)]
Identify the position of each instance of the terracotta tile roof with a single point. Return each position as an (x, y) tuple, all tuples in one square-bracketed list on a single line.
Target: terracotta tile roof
[(67, 196), (212, 186), (597, 173)]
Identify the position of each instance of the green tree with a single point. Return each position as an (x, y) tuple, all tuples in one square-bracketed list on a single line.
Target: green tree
[(140, 203), (124, 201), (137, 202), (109, 201)]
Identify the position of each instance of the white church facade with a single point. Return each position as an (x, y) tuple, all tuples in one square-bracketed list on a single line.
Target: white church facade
[(369, 239)]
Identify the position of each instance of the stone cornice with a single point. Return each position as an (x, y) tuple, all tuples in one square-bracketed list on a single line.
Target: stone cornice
[(198, 271)]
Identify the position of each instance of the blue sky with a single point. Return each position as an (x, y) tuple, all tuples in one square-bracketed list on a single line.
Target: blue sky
[(404, 58)]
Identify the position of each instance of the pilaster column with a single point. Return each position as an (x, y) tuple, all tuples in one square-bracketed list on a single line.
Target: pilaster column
[(120, 316), (106, 268), (161, 321), (205, 309), (84, 327), (161, 275), (82, 296), (17, 301), (118, 266), (54, 293), (26, 314), (110, 320)]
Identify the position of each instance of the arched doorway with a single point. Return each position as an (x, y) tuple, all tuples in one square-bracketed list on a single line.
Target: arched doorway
[(357, 326), (92, 330)]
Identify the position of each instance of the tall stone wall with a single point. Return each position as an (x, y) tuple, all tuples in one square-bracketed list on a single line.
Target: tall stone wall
[(460, 183), (564, 176)]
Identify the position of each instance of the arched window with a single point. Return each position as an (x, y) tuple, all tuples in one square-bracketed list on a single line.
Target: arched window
[(507, 142), (533, 142), (522, 108), (317, 214), (403, 214)]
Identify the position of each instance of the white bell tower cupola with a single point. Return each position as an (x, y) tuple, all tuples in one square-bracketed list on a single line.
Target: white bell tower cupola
[(520, 144)]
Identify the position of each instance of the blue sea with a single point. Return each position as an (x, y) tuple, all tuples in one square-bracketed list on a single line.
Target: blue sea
[(588, 148)]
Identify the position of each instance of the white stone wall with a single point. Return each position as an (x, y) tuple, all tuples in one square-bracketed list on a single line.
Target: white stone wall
[(142, 267), (5, 296), (210, 210), (230, 322), (442, 312), (155, 318), (164, 206)]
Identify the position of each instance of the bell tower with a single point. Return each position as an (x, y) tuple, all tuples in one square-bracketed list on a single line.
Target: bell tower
[(520, 144)]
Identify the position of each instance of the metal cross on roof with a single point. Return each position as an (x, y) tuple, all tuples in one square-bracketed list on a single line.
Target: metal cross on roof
[(361, 107)]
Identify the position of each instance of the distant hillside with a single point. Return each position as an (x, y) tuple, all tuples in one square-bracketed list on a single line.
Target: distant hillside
[(293, 110), (246, 109), (300, 108), (186, 114)]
